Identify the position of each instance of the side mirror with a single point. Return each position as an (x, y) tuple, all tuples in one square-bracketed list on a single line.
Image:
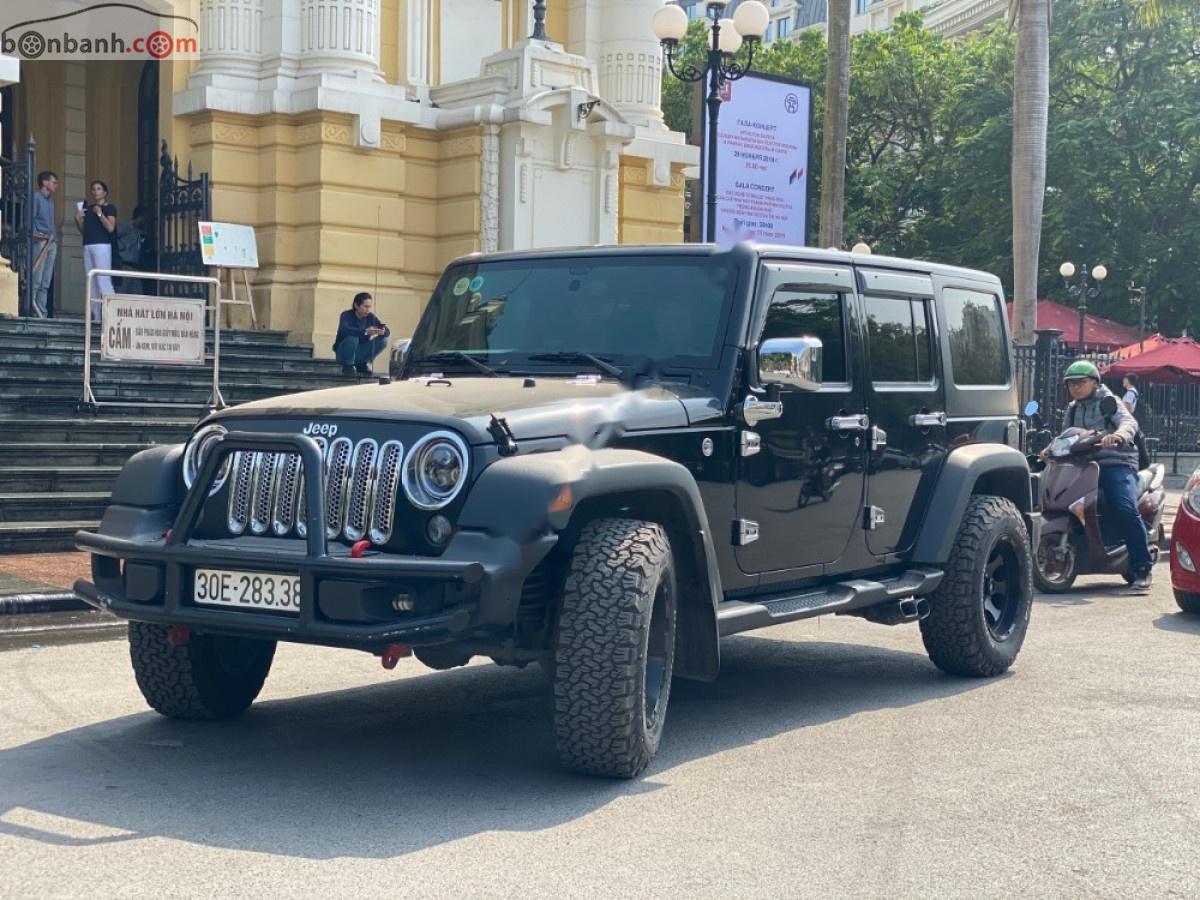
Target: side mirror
[(791, 362), (398, 356), (1108, 405), (1031, 409)]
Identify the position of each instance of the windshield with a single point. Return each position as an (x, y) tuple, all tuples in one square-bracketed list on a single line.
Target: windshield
[(515, 313)]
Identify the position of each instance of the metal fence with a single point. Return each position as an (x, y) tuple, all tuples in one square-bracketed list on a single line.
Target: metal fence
[(182, 204), (17, 184)]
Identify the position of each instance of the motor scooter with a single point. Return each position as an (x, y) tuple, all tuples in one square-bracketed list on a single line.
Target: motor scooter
[(1079, 536)]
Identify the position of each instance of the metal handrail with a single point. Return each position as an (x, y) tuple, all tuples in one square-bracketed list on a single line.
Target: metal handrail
[(88, 401)]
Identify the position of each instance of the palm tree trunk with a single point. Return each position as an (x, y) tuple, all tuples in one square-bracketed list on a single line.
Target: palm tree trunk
[(837, 115), (1031, 100)]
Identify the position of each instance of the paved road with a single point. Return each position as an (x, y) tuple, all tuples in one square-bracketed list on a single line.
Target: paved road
[(830, 759)]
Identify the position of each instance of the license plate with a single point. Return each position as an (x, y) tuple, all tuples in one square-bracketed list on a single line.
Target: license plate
[(247, 590)]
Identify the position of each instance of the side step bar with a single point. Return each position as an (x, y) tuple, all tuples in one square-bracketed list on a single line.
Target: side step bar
[(734, 616)]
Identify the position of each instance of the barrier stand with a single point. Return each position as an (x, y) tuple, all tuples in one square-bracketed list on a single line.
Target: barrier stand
[(88, 402)]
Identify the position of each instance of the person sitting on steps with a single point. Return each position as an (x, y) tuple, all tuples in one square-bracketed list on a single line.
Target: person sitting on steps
[(360, 337)]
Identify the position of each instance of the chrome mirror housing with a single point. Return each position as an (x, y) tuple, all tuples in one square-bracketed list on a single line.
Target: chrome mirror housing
[(791, 362)]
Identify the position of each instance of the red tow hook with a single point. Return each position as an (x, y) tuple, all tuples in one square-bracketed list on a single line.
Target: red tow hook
[(178, 635), (393, 653), (359, 548)]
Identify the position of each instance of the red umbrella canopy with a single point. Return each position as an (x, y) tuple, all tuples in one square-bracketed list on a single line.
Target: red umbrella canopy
[(1175, 361), (1153, 342)]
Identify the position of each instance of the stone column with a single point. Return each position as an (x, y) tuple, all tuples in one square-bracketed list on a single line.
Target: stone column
[(340, 36), (629, 59), (231, 36), (418, 32)]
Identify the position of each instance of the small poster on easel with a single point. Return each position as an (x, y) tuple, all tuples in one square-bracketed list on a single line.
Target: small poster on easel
[(226, 246), (229, 247)]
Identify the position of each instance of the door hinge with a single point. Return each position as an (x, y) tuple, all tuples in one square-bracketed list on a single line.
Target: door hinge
[(751, 443), (873, 517), (878, 438), (745, 531)]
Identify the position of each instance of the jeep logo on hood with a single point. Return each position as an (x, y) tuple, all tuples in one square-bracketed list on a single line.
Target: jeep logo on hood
[(323, 429)]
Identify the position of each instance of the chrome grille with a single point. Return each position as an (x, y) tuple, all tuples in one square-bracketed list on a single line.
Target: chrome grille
[(266, 491), (386, 484), (360, 479), (337, 467), (266, 468), (285, 495)]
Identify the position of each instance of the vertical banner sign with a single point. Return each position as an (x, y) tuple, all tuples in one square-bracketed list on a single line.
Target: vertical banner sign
[(762, 161)]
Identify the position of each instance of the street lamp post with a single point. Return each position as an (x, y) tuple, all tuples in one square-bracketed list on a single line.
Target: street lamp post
[(1141, 295), (1087, 289), (749, 23)]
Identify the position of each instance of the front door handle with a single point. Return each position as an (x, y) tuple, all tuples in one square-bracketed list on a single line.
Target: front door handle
[(857, 422), (927, 420)]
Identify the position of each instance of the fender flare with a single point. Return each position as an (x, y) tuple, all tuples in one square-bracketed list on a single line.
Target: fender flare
[(524, 497), (996, 468)]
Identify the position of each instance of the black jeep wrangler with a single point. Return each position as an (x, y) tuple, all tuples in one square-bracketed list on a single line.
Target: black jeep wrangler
[(601, 461)]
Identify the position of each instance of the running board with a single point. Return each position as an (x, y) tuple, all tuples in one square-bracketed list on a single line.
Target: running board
[(734, 616)]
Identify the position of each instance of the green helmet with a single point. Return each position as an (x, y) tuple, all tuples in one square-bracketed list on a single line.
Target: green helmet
[(1081, 368)]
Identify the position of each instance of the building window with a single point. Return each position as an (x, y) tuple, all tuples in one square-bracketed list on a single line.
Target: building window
[(860, 6), (785, 27)]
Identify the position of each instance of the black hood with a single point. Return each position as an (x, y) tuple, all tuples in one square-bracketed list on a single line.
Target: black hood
[(582, 410)]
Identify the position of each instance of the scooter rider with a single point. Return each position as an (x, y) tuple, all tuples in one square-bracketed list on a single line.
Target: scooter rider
[(1118, 460)]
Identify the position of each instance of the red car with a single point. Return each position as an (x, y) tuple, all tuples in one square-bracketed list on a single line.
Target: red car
[(1185, 548)]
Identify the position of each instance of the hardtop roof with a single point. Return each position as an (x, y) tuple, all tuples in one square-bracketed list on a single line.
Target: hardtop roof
[(761, 251)]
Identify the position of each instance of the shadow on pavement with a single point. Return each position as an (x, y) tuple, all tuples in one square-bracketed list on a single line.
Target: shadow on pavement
[(385, 770), (1179, 621)]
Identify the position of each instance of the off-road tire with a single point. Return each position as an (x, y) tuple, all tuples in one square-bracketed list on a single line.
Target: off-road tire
[(956, 633), (616, 625), (1188, 602), (208, 677)]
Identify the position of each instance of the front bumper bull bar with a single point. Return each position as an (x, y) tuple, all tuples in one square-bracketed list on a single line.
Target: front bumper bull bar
[(484, 573)]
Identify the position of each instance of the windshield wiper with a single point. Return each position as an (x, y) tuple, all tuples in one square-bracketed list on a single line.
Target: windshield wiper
[(568, 356), (446, 355)]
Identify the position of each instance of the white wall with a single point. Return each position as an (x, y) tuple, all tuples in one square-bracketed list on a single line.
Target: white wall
[(471, 30)]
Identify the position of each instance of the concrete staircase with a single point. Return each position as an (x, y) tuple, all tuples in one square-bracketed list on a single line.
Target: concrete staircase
[(57, 467)]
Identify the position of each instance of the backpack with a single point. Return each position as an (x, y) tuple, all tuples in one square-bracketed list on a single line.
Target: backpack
[(129, 246)]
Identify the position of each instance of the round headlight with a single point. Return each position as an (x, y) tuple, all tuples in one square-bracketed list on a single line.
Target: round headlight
[(197, 451), (435, 470)]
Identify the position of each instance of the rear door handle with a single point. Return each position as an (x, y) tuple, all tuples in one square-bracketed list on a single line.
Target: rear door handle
[(858, 422), (927, 420)]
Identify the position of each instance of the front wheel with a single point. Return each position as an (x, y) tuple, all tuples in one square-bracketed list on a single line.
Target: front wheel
[(1188, 602), (1056, 563), (208, 677), (615, 648), (979, 614)]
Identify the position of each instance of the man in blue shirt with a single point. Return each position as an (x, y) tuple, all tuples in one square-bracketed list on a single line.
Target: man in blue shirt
[(360, 337), (45, 242)]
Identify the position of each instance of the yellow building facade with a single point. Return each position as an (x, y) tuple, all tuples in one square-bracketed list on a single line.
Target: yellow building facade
[(369, 142)]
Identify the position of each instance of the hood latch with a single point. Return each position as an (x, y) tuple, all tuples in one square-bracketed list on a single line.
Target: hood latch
[(502, 435)]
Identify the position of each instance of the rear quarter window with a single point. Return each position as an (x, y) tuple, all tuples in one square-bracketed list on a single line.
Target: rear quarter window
[(975, 329)]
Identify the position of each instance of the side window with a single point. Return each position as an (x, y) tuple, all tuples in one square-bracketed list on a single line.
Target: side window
[(976, 332), (804, 313), (898, 337)]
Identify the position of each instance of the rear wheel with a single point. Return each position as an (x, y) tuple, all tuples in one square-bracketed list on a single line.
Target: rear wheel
[(1056, 563), (615, 648), (207, 677), (979, 614), (1188, 602)]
